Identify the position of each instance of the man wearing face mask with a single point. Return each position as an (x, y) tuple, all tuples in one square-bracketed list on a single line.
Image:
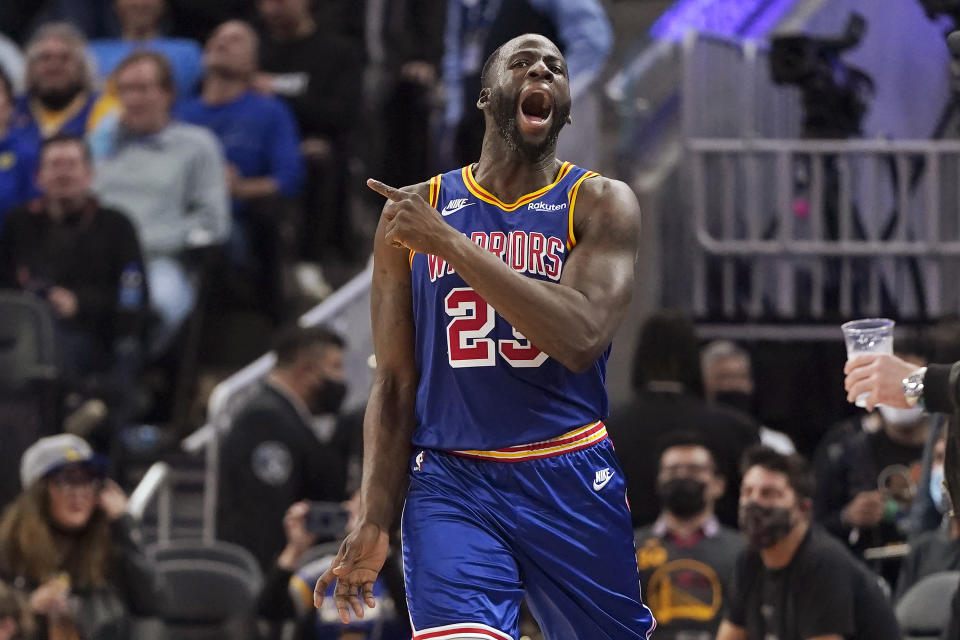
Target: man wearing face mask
[(728, 380), (866, 481), (796, 582), (686, 558), (935, 550), (273, 455)]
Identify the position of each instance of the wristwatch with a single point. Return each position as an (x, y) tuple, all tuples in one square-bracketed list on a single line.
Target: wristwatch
[(913, 386)]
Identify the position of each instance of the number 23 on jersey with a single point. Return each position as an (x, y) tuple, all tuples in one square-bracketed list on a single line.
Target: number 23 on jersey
[(472, 320)]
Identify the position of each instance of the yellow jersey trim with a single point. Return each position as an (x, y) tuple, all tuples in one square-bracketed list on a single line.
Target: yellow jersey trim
[(571, 236), (474, 187), (574, 440), (433, 197)]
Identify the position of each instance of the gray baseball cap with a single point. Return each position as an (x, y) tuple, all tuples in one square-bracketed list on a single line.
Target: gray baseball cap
[(46, 455)]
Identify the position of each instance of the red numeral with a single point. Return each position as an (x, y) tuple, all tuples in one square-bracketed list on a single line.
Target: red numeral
[(467, 342), (473, 319), (521, 353)]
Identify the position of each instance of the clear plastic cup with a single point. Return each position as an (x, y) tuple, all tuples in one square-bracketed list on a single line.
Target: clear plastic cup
[(867, 336)]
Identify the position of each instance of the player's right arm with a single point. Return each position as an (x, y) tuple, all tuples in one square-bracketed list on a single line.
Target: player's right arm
[(387, 428)]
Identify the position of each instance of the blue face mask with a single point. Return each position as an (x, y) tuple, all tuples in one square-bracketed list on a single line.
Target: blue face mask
[(936, 489)]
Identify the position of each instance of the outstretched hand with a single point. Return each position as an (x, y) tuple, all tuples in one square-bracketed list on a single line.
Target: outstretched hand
[(411, 222), (355, 569)]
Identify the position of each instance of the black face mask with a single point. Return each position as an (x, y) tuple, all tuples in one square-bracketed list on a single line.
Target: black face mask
[(683, 497), (765, 526), (738, 400), (328, 398)]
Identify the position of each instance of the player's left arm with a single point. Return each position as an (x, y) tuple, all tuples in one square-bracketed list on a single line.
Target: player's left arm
[(573, 320)]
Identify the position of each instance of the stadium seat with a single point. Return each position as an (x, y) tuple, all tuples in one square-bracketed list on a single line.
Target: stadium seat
[(219, 551), (211, 591), (924, 609), (29, 385)]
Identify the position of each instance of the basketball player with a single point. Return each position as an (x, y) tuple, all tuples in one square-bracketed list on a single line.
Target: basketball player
[(496, 292)]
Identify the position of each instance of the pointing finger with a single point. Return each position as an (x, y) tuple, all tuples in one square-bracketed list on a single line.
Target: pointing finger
[(386, 190)]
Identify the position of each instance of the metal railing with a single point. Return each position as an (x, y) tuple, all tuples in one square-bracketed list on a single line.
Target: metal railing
[(154, 484), (821, 228), (346, 311)]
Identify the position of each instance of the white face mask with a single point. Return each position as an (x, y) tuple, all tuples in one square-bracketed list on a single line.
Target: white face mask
[(900, 417)]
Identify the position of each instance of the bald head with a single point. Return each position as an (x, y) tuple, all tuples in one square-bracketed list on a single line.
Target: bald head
[(491, 66), (232, 50)]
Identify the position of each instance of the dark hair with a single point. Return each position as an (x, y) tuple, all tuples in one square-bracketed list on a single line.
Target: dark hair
[(488, 67), (6, 83), (66, 138), (793, 466), (667, 350), (293, 341), (164, 70), (686, 439)]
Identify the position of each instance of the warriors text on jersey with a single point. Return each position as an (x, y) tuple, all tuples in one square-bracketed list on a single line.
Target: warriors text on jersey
[(483, 385)]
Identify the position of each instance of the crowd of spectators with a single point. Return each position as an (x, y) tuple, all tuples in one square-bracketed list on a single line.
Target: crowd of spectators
[(157, 153)]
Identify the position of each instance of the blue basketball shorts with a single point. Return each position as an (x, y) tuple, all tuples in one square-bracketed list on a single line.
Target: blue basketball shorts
[(548, 521)]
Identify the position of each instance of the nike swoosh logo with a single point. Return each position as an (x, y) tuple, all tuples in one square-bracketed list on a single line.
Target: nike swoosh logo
[(600, 485), (447, 212)]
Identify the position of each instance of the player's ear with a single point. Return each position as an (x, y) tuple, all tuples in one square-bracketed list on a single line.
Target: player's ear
[(484, 98), (569, 119)]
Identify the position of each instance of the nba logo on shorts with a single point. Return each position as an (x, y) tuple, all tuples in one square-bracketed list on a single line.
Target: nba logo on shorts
[(419, 462)]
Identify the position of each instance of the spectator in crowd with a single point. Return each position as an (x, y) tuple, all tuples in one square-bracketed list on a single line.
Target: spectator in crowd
[(262, 146), (686, 558), (18, 155), (68, 546), (60, 95), (84, 259), (16, 620), (320, 76), (140, 29), (936, 550), (926, 512), (258, 133), (408, 54), (288, 595), (272, 457), (475, 28), (12, 63), (867, 480), (667, 397), (795, 581), (94, 18), (169, 177), (728, 380)]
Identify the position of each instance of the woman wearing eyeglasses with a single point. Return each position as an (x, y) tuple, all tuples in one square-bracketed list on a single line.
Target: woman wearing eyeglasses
[(68, 546)]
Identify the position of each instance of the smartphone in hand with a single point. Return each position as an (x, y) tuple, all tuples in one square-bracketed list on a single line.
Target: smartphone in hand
[(327, 520)]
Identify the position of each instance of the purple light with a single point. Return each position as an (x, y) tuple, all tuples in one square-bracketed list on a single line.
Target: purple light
[(730, 18)]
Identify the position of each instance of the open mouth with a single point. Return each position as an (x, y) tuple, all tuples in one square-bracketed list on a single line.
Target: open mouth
[(536, 107)]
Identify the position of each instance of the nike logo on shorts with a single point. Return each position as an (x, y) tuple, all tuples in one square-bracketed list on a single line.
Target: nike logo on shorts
[(602, 478)]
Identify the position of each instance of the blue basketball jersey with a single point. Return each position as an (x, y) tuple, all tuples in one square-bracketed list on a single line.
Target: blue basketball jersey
[(483, 385)]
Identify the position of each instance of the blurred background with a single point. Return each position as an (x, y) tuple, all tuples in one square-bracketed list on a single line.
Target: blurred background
[(182, 182)]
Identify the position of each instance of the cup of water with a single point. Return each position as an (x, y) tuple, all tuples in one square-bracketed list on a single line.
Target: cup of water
[(865, 337)]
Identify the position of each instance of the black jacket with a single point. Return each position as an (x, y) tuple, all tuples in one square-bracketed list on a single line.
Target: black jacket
[(95, 254), (270, 459)]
